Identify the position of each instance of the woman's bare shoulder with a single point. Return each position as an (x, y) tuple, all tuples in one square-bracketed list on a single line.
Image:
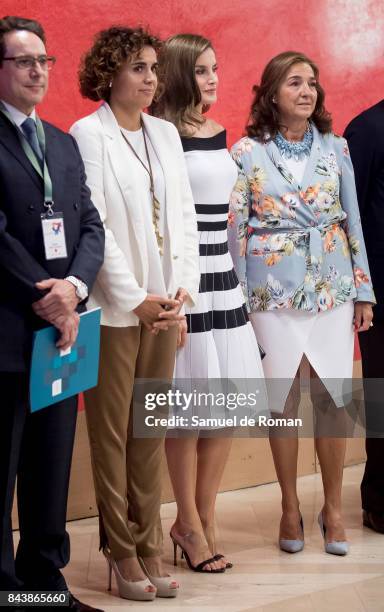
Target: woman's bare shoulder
[(209, 128), (214, 127)]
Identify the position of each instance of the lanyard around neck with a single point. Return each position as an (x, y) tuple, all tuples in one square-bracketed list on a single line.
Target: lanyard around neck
[(29, 152)]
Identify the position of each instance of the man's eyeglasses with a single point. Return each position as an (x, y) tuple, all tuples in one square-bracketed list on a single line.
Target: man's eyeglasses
[(26, 62)]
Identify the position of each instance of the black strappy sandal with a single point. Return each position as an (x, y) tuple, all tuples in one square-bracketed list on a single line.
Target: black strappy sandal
[(228, 565), (212, 545), (195, 568)]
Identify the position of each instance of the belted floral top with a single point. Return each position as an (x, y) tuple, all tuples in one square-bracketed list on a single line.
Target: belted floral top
[(297, 246)]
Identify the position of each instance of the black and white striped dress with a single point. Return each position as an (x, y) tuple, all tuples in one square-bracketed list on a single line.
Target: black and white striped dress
[(221, 342)]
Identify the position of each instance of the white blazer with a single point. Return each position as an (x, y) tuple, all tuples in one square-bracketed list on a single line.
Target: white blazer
[(120, 199)]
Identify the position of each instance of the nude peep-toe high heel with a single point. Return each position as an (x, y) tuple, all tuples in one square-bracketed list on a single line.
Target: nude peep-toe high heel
[(128, 589), (166, 585)]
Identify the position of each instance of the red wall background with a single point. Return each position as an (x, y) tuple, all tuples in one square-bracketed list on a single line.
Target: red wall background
[(345, 38)]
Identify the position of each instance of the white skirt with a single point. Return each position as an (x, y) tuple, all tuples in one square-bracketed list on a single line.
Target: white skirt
[(220, 353), (326, 338), (224, 363)]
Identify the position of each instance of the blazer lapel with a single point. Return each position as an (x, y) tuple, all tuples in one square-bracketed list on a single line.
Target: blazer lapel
[(166, 156), (10, 140), (53, 158), (160, 147), (313, 160), (118, 159), (279, 163)]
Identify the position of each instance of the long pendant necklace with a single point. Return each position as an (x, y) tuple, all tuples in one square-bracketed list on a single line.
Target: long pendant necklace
[(155, 201)]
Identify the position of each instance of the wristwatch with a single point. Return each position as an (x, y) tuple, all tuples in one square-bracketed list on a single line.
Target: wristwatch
[(81, 288)]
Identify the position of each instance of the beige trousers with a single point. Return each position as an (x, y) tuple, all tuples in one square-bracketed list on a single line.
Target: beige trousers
[(127, 470)]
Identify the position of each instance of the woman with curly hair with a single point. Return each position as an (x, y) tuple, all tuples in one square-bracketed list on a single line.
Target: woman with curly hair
[(301, 258), (137, 176)]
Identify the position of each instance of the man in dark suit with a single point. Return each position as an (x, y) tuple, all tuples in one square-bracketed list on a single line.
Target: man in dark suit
[(365, 136), (42, 281)]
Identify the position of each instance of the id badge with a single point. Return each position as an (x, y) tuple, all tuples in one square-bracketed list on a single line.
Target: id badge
[(54, 236)]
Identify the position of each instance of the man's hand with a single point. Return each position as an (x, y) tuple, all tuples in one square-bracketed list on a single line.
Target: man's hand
[(363, 316), (153, 305), (182, 333), (68, 326), (61, 300)]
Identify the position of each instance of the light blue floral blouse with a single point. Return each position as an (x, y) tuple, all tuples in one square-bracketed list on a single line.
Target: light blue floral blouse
[(297, 246)]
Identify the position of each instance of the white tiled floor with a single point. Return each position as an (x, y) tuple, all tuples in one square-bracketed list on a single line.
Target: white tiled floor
[(263, 578)]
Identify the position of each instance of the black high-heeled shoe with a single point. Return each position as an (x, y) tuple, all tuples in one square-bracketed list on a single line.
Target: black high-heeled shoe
[(209, 533), (219, 556), (195, 568)]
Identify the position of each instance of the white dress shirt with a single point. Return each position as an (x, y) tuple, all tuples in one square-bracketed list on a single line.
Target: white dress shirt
[(17, 115)]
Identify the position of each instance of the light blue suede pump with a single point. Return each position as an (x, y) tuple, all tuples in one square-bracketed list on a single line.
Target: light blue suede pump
[(293, 546), (333, 548)]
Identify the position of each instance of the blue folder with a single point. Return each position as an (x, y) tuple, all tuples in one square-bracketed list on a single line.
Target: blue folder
[(56, 374)]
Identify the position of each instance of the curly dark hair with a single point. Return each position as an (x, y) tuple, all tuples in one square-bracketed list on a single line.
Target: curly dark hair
[(111, 48), (264, 117)]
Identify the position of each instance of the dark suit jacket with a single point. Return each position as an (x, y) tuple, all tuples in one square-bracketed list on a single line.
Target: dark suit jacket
[(365, 135), (22, 257)]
